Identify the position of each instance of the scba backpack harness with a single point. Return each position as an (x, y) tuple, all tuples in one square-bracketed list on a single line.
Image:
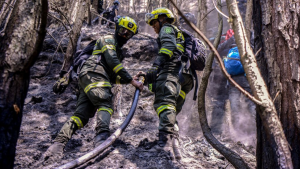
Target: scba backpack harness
[(194, 54)]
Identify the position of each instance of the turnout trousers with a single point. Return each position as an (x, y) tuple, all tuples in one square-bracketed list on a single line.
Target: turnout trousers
[(169, 99), (95, 97)]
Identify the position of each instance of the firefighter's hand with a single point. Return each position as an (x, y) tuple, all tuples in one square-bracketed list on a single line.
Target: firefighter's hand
[(137, 84), (136, 77), (61, 84)]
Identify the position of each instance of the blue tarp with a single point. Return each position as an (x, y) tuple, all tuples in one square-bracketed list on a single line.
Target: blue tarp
[(233, 67)]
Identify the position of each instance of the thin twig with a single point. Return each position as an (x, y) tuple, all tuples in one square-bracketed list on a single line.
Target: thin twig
[(276, 96), (59, 21), (209, 13), (57, 43), (65, 28), (219, 10), (190, 141), (58, 10), (115, 23), (54, 55), (101, 16), (257, 52), (218, 58)]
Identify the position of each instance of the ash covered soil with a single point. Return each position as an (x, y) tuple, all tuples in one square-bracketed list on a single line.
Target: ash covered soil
[(45, 113)]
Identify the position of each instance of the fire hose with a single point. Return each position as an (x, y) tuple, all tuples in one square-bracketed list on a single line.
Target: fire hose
[(109, 141)]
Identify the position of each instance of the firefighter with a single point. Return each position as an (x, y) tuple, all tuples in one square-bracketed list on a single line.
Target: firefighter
[(96, 74), (168, 78), (113, 12)]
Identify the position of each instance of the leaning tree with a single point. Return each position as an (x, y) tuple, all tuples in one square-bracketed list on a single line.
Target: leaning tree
[(276, 26), (21, 41)]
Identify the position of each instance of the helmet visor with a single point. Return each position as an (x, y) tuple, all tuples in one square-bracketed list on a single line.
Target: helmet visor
[(149, 17), (125, 33)]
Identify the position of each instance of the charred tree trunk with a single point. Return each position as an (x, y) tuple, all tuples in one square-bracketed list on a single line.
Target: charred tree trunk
[(89, 16), (276, 26), (19, 49), (202, 10), (74, 35)]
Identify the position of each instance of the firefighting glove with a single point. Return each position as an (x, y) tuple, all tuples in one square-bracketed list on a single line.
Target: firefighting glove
[(151, 77), (61, 84)]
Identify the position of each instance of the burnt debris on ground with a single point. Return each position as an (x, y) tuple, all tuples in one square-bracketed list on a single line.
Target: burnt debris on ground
[(46, 112)]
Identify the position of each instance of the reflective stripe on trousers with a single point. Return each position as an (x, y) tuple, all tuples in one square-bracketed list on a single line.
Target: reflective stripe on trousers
[(77, 121), (182, 94), (109, 110), (96, 84), (164, 107)]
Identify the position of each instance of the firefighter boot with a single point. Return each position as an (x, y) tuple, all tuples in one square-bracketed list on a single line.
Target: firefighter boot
[(165, 144), (100, 138), (176, 149)]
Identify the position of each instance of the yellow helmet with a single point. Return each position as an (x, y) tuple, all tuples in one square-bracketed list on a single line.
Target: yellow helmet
[(128, 23), (156, 12)]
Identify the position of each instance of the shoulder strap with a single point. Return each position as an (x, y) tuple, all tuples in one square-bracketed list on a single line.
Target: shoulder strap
[(197, 84)]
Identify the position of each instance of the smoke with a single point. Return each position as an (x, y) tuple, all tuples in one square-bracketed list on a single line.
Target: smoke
[(188, 118), (242, 114), (230, 114)]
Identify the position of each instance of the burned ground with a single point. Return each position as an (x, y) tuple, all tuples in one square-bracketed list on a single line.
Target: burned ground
[(46, 112)]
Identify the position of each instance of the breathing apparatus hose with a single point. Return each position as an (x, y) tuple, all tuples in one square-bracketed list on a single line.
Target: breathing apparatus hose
[(109, 141)]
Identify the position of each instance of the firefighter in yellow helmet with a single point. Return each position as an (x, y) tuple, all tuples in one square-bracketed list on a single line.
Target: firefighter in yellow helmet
[(96, 73), (167, 79)]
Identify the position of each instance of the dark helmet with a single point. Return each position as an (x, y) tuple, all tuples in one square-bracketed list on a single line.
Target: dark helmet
[(116, 2)]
